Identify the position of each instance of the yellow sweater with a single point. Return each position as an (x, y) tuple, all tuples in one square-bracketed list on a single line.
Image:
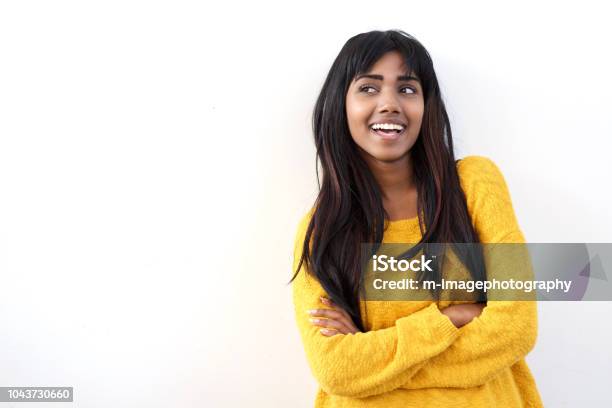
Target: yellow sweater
[(412, 355)]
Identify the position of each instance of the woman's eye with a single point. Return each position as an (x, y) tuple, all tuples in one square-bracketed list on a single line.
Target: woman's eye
[(366, 87)]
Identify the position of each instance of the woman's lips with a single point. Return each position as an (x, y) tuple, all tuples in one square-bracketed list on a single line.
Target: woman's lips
[(390, 136)]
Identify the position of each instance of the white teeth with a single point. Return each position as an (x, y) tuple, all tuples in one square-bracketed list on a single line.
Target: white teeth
[(387, 126)]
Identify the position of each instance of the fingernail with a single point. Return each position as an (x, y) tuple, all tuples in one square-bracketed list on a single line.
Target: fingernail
[(312, 311), (314, 320), (324, 300)]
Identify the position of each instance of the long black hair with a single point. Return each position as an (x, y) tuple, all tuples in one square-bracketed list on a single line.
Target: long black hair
[(348, 210)]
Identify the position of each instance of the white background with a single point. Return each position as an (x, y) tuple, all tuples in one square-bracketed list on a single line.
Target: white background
[(155, 158)]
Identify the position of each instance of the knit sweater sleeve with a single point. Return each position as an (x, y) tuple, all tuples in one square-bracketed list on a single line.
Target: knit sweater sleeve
[(506, 330), (364, 364)]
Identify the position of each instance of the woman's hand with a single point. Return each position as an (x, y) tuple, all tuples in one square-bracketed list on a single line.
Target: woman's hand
[(336, 320), (460, 315)]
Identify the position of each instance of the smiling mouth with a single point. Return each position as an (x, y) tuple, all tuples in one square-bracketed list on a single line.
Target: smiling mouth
[(387, 134)]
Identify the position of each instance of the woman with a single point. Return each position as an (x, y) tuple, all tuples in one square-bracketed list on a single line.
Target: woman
[(389, 175)]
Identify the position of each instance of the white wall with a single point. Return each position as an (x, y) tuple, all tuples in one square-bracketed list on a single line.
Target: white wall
[(155, 158)]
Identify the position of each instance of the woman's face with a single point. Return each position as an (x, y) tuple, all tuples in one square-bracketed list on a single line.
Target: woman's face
[(384, 96)]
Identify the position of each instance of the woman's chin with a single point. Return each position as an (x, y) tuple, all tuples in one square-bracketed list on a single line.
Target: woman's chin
[(386, 155)]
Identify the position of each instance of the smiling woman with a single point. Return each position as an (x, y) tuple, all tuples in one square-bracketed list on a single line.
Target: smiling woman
[(381, 133), (389, 174)]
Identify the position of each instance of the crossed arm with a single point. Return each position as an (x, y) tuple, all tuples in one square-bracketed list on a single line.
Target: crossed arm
[(461, 346), (336, 321), (486, 344)]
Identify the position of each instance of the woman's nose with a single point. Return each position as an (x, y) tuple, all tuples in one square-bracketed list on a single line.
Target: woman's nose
[(388, 102), (389, 107)]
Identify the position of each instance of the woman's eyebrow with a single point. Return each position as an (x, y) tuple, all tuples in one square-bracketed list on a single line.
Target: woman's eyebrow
[(380, 77)]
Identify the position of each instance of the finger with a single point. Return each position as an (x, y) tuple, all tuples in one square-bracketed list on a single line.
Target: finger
[(328, 332), (334, 315), (331, 303), (343, 325), (327, 301), (329, 313), (331, 324)]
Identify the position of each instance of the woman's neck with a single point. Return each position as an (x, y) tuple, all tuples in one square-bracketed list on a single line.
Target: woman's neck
[(396, 181)]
